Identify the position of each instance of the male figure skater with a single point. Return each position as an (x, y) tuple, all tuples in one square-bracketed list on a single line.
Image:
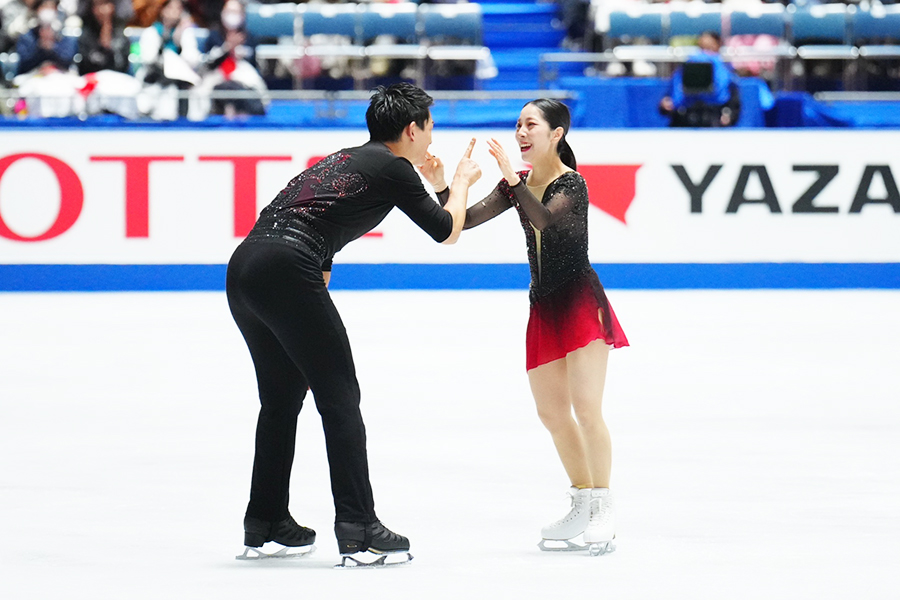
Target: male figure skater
[(277, 291)]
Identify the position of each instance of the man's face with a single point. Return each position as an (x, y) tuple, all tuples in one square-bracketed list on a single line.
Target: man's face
[(421, 142)]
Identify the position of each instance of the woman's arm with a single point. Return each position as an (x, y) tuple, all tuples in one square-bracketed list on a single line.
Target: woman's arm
[(495, 203), (536, 212), (558, 205)]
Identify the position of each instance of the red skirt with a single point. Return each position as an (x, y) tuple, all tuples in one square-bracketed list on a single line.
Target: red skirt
[(568, 319)]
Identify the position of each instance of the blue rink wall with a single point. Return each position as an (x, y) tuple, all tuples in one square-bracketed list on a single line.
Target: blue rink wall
[(134, 210), (118, 278)]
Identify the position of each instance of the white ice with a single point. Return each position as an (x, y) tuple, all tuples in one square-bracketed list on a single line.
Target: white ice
[(756, 449)]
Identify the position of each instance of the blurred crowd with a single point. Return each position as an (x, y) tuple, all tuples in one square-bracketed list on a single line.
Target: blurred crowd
[(166, 59), (84, 57)]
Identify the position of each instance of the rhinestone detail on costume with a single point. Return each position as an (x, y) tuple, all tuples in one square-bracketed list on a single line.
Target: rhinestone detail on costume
[(292, 215)]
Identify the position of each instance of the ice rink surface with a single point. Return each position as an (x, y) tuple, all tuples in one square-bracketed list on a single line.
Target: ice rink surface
[(756, 440)]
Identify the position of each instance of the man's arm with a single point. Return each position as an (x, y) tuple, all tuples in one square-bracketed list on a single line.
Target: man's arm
[(467, 173)]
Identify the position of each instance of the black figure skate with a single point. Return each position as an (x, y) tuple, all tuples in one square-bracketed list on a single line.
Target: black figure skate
[(296, 540), (370, 539)]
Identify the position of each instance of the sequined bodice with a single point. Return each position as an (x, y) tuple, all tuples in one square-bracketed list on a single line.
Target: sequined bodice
[(345, 195), (564, 243)]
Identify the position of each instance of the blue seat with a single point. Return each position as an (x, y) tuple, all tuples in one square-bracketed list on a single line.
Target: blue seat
[(330, 19), (265, 21), (881, 25), (451, 23), (397, 20), (694, 22), (644, 24), (767, 19), (822, 24)]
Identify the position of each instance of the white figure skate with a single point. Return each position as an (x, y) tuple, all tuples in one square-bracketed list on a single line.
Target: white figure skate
[(558, 536), (601, 530)]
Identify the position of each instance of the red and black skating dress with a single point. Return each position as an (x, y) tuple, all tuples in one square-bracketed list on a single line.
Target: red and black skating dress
[(569, 308)]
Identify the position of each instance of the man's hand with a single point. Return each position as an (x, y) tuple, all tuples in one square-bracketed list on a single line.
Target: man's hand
[(468, 170), (433, 172), (467, 173)]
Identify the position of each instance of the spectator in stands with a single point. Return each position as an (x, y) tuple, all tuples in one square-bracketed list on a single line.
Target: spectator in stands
[(44, 47), (46, 80), (170, 56), (230, 64), (104, 61), (16, 18), (704, 91), (103, 44), (11, 23), (205, 12), (124, 10), (574, 15)]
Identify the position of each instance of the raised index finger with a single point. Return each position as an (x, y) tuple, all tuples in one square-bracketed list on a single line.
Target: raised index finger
[(468, 152)]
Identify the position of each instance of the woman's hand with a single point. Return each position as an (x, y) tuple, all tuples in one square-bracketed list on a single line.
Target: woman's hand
[(433, 172), (502, 159)]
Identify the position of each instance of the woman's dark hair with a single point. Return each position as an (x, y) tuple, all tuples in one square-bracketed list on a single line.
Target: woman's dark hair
[(393, 108), (90, 22), (557, 115)]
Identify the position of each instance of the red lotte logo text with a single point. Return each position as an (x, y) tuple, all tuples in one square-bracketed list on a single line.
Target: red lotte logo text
[(612, 189)]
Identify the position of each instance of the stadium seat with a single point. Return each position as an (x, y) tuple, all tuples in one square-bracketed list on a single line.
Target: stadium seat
[(693, 21), (397, 20), (454, 34), (765, 19), (268, 21), (330, 19), (825, 24), (877, 25), (451, 23), (629, 25)]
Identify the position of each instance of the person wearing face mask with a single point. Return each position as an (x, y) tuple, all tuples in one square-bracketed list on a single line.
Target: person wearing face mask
[(230, 65), (46, 80), (571, 326), (276, 285), (44, 48)]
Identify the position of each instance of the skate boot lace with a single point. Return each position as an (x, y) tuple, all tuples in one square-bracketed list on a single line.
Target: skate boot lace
[(601, 513), (571, 515)]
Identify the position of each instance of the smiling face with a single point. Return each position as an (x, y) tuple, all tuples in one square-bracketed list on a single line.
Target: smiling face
[(534, 135)]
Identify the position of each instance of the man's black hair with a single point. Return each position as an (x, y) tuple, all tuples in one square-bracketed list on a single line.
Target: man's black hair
[(393, 108)]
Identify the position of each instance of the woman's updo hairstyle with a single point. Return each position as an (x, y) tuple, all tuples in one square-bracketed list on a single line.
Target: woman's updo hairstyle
[(557, 115)]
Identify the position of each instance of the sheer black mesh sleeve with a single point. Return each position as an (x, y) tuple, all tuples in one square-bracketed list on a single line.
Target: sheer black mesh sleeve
[(543, 214), (495, 203), (443, 196)]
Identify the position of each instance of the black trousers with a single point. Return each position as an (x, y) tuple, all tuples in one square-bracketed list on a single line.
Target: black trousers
[(297, 339)]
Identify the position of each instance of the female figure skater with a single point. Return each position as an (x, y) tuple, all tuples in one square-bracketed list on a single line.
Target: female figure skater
[(571, 326)]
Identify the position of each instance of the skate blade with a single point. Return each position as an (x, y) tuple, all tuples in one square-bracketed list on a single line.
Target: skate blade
[(353, 562), (601, 548), (551, 546), (284, 552)]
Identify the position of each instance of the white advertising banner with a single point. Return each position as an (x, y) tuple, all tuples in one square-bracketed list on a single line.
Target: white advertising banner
[(128, 196)]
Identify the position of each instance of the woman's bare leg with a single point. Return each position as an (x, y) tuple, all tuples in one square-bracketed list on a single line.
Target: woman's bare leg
[(586, 371), (550, 387)]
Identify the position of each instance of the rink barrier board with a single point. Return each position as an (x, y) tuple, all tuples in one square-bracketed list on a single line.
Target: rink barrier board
[(625, 276)]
